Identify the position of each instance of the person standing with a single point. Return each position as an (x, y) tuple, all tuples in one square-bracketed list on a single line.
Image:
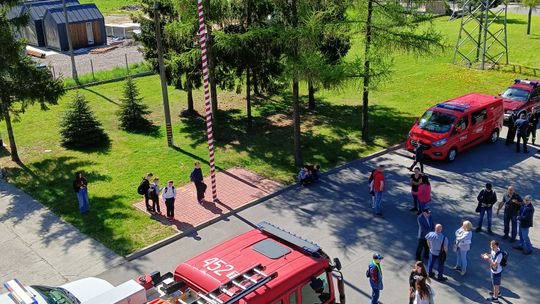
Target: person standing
[(378, 188), (169, 195), (425, 226), (154, 195), (424, 293), (418, 272), (533, 124), (438, 250), (511, 203), (511, 129), (462, 245), (522, 129), (143, 189), (418, 157), (416, 178), (197, 178), (494, 260), (80, 186), (424, 193), (370, 185), (526, 214), (374, 273), (486, 199)]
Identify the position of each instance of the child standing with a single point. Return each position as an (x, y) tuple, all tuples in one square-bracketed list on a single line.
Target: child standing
[(153, 193), (169, 194)]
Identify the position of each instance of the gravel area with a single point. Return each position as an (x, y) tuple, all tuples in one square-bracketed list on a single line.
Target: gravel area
[(60, 63)]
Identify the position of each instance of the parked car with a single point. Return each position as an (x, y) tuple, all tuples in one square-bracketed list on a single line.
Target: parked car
[(521, 97), (448, 128)]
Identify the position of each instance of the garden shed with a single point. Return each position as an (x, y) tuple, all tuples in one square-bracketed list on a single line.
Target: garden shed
[(33, 32), (86, 27)]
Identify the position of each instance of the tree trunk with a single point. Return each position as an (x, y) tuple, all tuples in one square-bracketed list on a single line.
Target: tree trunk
[(365, 95), (11, 136), (255, 79), (248, 99), (296, 102), (529, 21), (189, 90), (211, 74), (311, 95)]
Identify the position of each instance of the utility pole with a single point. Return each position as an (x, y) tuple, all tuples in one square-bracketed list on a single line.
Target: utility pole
[(163, 78), (68, 33)]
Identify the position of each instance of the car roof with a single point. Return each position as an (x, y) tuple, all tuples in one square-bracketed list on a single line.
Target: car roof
[(466, 103), (256, 247)]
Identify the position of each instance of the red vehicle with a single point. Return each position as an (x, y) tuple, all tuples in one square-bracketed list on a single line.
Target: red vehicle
[(448, 128), (521, 97)]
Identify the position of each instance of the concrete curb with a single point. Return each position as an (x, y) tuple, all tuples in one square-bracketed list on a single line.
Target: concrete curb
[(173, 238)]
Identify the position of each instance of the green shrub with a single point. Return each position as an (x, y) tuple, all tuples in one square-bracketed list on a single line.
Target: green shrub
[(79, 127), (132, 110)]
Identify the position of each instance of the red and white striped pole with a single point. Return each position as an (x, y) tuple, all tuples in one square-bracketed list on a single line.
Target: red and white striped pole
[(207, 104)]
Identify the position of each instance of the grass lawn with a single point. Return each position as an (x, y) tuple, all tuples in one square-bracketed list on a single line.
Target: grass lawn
[(111, 6), (330, 136)]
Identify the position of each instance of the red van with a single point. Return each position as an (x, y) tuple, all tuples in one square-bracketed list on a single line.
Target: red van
[(448, 128)]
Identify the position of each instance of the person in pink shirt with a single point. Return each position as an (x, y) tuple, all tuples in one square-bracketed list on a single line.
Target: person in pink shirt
[(423, 193)]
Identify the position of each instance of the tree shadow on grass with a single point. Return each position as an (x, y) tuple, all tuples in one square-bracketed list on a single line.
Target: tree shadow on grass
[(50, 182), (510, 21), (330, 133), (102, 148)]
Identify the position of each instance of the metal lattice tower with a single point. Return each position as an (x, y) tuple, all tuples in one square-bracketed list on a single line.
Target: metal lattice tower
[(482, 39)]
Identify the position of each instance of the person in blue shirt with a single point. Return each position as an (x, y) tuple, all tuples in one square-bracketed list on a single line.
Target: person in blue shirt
[(525, 218), (522, 129)]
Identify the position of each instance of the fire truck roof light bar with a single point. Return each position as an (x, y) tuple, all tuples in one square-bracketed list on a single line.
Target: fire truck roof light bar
[(529, 82), (451, 107), (286, 236), (18, 293)]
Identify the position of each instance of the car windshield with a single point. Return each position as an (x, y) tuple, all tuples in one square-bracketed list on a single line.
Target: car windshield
[(55, 295), (516, 94), (437, 122)]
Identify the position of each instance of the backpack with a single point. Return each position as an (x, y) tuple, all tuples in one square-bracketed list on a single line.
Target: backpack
[(368, 273), (504, 260), (165, 189), (142, 187)]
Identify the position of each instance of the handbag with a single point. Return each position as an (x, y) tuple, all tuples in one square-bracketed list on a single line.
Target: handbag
[(442, 253)]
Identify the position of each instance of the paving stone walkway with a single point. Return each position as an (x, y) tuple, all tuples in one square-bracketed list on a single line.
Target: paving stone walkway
[(236, 188)]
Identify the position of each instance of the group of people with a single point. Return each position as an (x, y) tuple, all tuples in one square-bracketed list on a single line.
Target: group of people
[(152, 190), (309, 174), (433, 245), (522, 127)]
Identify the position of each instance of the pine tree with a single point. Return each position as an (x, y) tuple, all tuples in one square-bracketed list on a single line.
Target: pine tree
[(79, 127), (132, 110)]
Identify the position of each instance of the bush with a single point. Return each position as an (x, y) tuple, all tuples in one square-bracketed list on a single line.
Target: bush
[(79, 128), (132, 110)]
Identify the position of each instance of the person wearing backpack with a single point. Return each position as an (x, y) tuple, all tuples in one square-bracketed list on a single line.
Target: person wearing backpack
[(486, 199), (169, 195), (143, 188), (374, 273), (496, 263), (154, 195)]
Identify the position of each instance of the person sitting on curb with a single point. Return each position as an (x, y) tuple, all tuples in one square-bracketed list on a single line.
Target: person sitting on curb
[(304, 177)]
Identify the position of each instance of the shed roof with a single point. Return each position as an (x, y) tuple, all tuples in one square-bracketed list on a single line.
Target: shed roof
[(76, 13), (38, 9)]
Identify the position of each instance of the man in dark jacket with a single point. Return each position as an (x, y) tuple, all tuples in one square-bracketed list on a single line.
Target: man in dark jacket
[(522, 129), (375, 277), (145, 185), (197, 178), (511, 129), (486, 199), (533, 124), (418, 157), (511, 202), (526, 214), (425, 226)]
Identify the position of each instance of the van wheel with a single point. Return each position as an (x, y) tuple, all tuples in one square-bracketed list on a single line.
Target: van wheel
[(451, 155), (494, 136)]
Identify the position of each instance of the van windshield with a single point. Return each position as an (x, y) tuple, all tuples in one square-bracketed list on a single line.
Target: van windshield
[(516, 94), (437, 122)]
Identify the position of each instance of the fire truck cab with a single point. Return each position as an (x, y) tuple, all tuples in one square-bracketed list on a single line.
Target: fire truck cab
[(265, 265)]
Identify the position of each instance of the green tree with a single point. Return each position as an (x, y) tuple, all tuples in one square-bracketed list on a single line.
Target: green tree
[(132, 109), (531, 4), (387, 27), (22, 83), (79, 128)]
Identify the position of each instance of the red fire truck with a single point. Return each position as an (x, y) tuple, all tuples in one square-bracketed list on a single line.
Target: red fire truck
[(267, 265)]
